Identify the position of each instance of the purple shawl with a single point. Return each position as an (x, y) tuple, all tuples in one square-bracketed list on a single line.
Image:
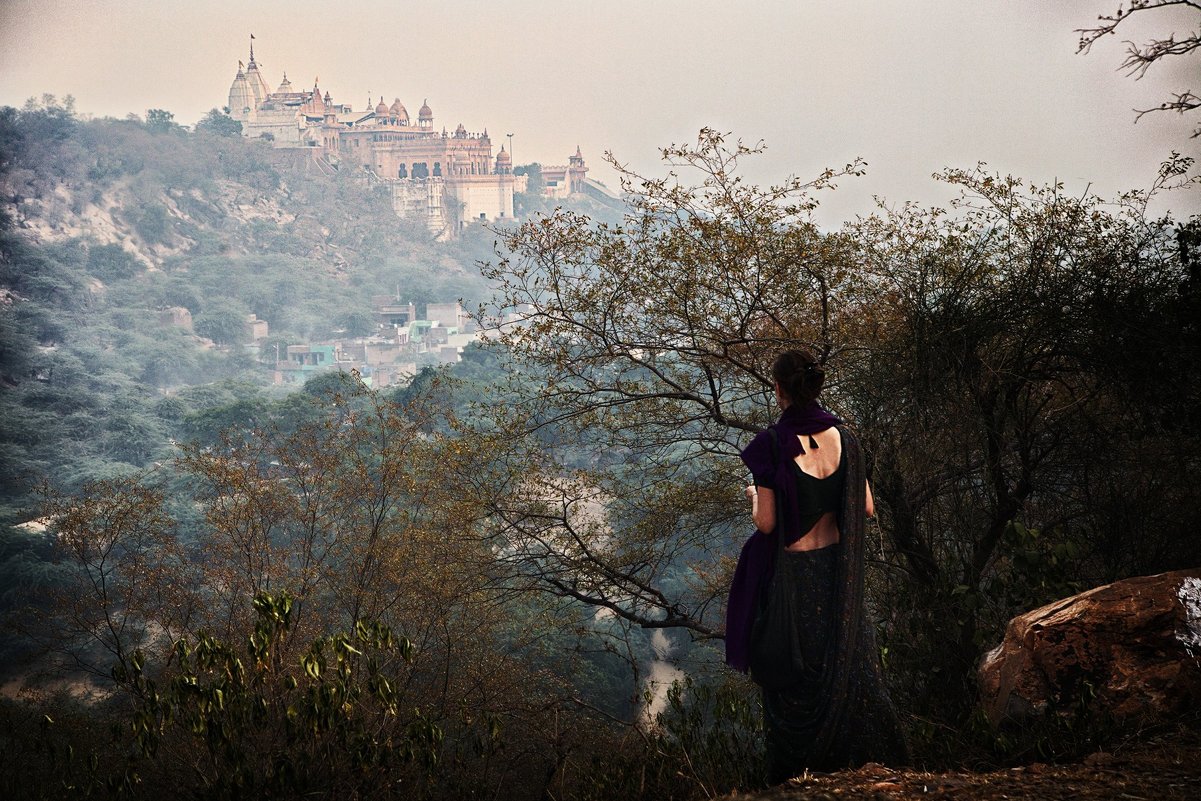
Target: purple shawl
[(757, 560)]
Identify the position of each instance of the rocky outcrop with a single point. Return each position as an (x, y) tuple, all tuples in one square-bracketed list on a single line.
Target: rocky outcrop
[(1132, 647)]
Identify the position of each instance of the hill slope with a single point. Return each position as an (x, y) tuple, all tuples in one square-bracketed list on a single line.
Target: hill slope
[(104, 224)]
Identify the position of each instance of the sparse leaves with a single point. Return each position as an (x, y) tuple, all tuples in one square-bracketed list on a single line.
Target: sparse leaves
[(1140, 57), (648, 345)]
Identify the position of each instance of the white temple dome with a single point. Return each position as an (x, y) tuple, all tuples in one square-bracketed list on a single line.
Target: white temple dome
[(241, 98)]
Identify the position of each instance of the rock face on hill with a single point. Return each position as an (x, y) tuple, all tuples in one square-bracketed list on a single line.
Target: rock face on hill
[(1135, 644)]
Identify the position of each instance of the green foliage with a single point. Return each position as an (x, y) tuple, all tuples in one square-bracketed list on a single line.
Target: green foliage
[(47, 120), (273, 723), (208, 423), (222, 322), (161, 121), (108, 262), (218, 123), (11, 137), (358, 323), (40, 274), (16, 346), (535, 184), (990, 354), (152, 223)]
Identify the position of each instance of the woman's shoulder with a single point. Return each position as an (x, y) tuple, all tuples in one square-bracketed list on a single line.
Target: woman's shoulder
[(761, 454), (847, 432), (852, 449)]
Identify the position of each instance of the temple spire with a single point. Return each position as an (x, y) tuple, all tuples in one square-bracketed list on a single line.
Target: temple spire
[(252, 49)]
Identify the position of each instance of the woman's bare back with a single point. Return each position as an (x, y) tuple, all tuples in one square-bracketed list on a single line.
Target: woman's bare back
[(820, 463)]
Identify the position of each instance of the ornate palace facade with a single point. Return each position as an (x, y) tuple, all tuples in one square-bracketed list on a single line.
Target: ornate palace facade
[(449, 178)]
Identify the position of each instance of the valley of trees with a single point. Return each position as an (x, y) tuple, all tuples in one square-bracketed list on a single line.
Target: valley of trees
[(449, 590)]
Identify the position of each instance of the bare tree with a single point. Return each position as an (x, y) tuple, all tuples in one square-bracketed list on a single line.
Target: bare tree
[(1140, 57)]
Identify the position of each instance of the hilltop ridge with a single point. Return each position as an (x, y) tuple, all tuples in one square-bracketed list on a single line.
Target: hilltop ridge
[(166, 193)]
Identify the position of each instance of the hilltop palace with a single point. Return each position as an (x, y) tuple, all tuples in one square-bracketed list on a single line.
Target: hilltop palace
[(448, 178)]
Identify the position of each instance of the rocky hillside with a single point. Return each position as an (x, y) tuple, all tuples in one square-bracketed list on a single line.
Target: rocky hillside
[(106, 224), (163, 193)]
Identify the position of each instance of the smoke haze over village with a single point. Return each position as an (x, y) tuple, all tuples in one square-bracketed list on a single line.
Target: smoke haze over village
[(911, 88)]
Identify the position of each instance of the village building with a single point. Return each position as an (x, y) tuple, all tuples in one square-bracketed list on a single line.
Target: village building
[(392, 355), (563, 180), (254, 329)]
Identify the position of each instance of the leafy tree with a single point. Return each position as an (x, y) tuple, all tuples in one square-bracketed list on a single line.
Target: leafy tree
[(10, 140), (987, 386), (16, 348), (360, 510), (170, 359), (535, 184), (978, 349), (119, 545), (329, 722), (112, 262), (219, 123), (222, 322), (650, 343), (358, 323), (48, 119), (39, 274), (153, 223), (161, 121)]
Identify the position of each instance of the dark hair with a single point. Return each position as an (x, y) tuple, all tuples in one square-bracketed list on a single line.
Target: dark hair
[(799, 375)]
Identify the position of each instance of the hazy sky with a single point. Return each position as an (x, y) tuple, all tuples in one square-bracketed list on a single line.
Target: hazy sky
[(909, 86)]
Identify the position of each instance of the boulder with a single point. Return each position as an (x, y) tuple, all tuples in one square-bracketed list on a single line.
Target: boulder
[(1131, 649)]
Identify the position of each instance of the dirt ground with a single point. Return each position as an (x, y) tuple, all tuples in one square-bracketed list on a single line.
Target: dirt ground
[(1164, 768)]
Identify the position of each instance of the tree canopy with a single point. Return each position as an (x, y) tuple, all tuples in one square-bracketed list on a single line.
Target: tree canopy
[(987, 352), (219, 123)]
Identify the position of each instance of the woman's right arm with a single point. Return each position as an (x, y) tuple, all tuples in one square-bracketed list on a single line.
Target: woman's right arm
[(763, 508)]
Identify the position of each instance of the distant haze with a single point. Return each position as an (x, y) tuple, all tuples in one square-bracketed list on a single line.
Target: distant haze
[(911, 87)]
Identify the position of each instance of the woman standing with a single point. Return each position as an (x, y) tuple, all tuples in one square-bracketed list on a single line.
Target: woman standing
[(795, 615)]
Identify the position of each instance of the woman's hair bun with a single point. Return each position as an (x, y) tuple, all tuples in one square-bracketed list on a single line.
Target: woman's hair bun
[(799, 375)]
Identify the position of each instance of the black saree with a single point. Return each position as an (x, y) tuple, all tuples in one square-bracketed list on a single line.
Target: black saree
[(825, 705)]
